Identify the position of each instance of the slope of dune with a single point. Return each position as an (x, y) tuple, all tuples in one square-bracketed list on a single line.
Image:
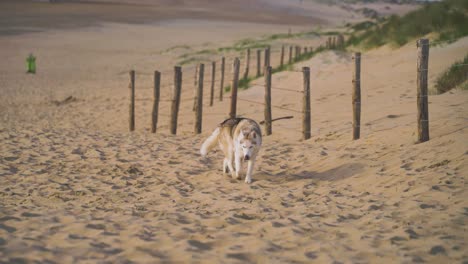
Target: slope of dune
[(79, 194), (75, 186)]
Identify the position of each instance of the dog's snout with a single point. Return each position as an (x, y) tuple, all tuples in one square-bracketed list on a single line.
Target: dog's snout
[(246, 157)]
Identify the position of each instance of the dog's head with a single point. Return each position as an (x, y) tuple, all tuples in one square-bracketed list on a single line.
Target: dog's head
[(248, 142)]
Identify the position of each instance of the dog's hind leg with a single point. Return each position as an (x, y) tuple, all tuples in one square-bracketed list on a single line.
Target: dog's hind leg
[(250, 165)]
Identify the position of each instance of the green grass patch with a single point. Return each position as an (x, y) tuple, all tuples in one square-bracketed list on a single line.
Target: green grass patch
[(447, 18), (456, 75)]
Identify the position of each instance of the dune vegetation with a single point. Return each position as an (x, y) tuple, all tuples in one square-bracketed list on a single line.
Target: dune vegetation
[(448, 19), (455, 76)]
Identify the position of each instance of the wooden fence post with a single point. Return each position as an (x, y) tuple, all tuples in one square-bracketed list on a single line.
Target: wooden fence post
[(154, 116), (259, 55), (305, 50), (290, 54), (247, 64), (356, 98), (195, 81), (340, 41), (267, 59), (176, 98), (422, 99), (296, 53), (268, 100), (221, 89), (306, 104), (282, 56), (199, 111), (213, 76), (132, 101), (234, 83)]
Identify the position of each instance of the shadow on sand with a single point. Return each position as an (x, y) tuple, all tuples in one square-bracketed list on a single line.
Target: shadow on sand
[(339, 173)]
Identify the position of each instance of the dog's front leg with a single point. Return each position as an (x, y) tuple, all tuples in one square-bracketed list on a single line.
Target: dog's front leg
[(231, 169), (238, 157), (250, 165)]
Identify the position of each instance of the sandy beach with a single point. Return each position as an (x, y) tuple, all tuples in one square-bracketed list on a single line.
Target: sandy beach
[(76, 186)]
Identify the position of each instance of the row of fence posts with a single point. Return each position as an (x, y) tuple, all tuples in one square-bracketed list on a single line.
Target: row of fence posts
[(335, 42), (422, 97)]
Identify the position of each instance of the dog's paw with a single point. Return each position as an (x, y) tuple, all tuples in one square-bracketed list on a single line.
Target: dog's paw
[(248, 180)]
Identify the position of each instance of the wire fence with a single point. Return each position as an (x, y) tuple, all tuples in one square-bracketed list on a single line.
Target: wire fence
[(296, 57)]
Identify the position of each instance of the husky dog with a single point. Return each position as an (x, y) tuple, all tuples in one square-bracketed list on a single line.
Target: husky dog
[(239, 139)]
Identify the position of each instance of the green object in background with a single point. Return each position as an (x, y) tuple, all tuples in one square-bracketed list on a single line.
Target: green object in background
[(31, 63)]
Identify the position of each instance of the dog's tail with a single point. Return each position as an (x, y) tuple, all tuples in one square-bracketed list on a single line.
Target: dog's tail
[(210, 142)]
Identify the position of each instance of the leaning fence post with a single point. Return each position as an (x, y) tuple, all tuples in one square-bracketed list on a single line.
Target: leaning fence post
[(132, 101), (282, 56), (221, 90), (290, 54), (176, 98), (247, 64), (234, 83), (268, 100), (213, 76), (306, 104), (199, 111), (259, 55), (356, 98), (422, 100), (154, 116)]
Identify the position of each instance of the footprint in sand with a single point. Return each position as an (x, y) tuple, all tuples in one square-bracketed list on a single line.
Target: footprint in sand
[(9, 229), (196, 245)]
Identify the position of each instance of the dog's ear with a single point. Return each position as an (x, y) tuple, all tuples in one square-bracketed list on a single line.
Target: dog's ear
[(254, 134)]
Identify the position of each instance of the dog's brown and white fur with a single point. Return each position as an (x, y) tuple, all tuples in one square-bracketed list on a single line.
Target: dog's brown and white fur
[(240, 140)]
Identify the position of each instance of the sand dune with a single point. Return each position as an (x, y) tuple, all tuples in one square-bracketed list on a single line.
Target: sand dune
[(77, 187)]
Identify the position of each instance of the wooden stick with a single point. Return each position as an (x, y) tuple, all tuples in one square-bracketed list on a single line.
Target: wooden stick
[(356, 99), (194, 107), (268, 100), (290, 54), (154, 116), (132, 101), (306, 104), (213, 76), (259, 55), (276, 119), (234, 84), (247, 64), (199, 112), (282, 56), (176, 98), (267, 58), (422, 99), (221, 88)]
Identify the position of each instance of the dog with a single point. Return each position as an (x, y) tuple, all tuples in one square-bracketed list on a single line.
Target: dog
[(240, 140)]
